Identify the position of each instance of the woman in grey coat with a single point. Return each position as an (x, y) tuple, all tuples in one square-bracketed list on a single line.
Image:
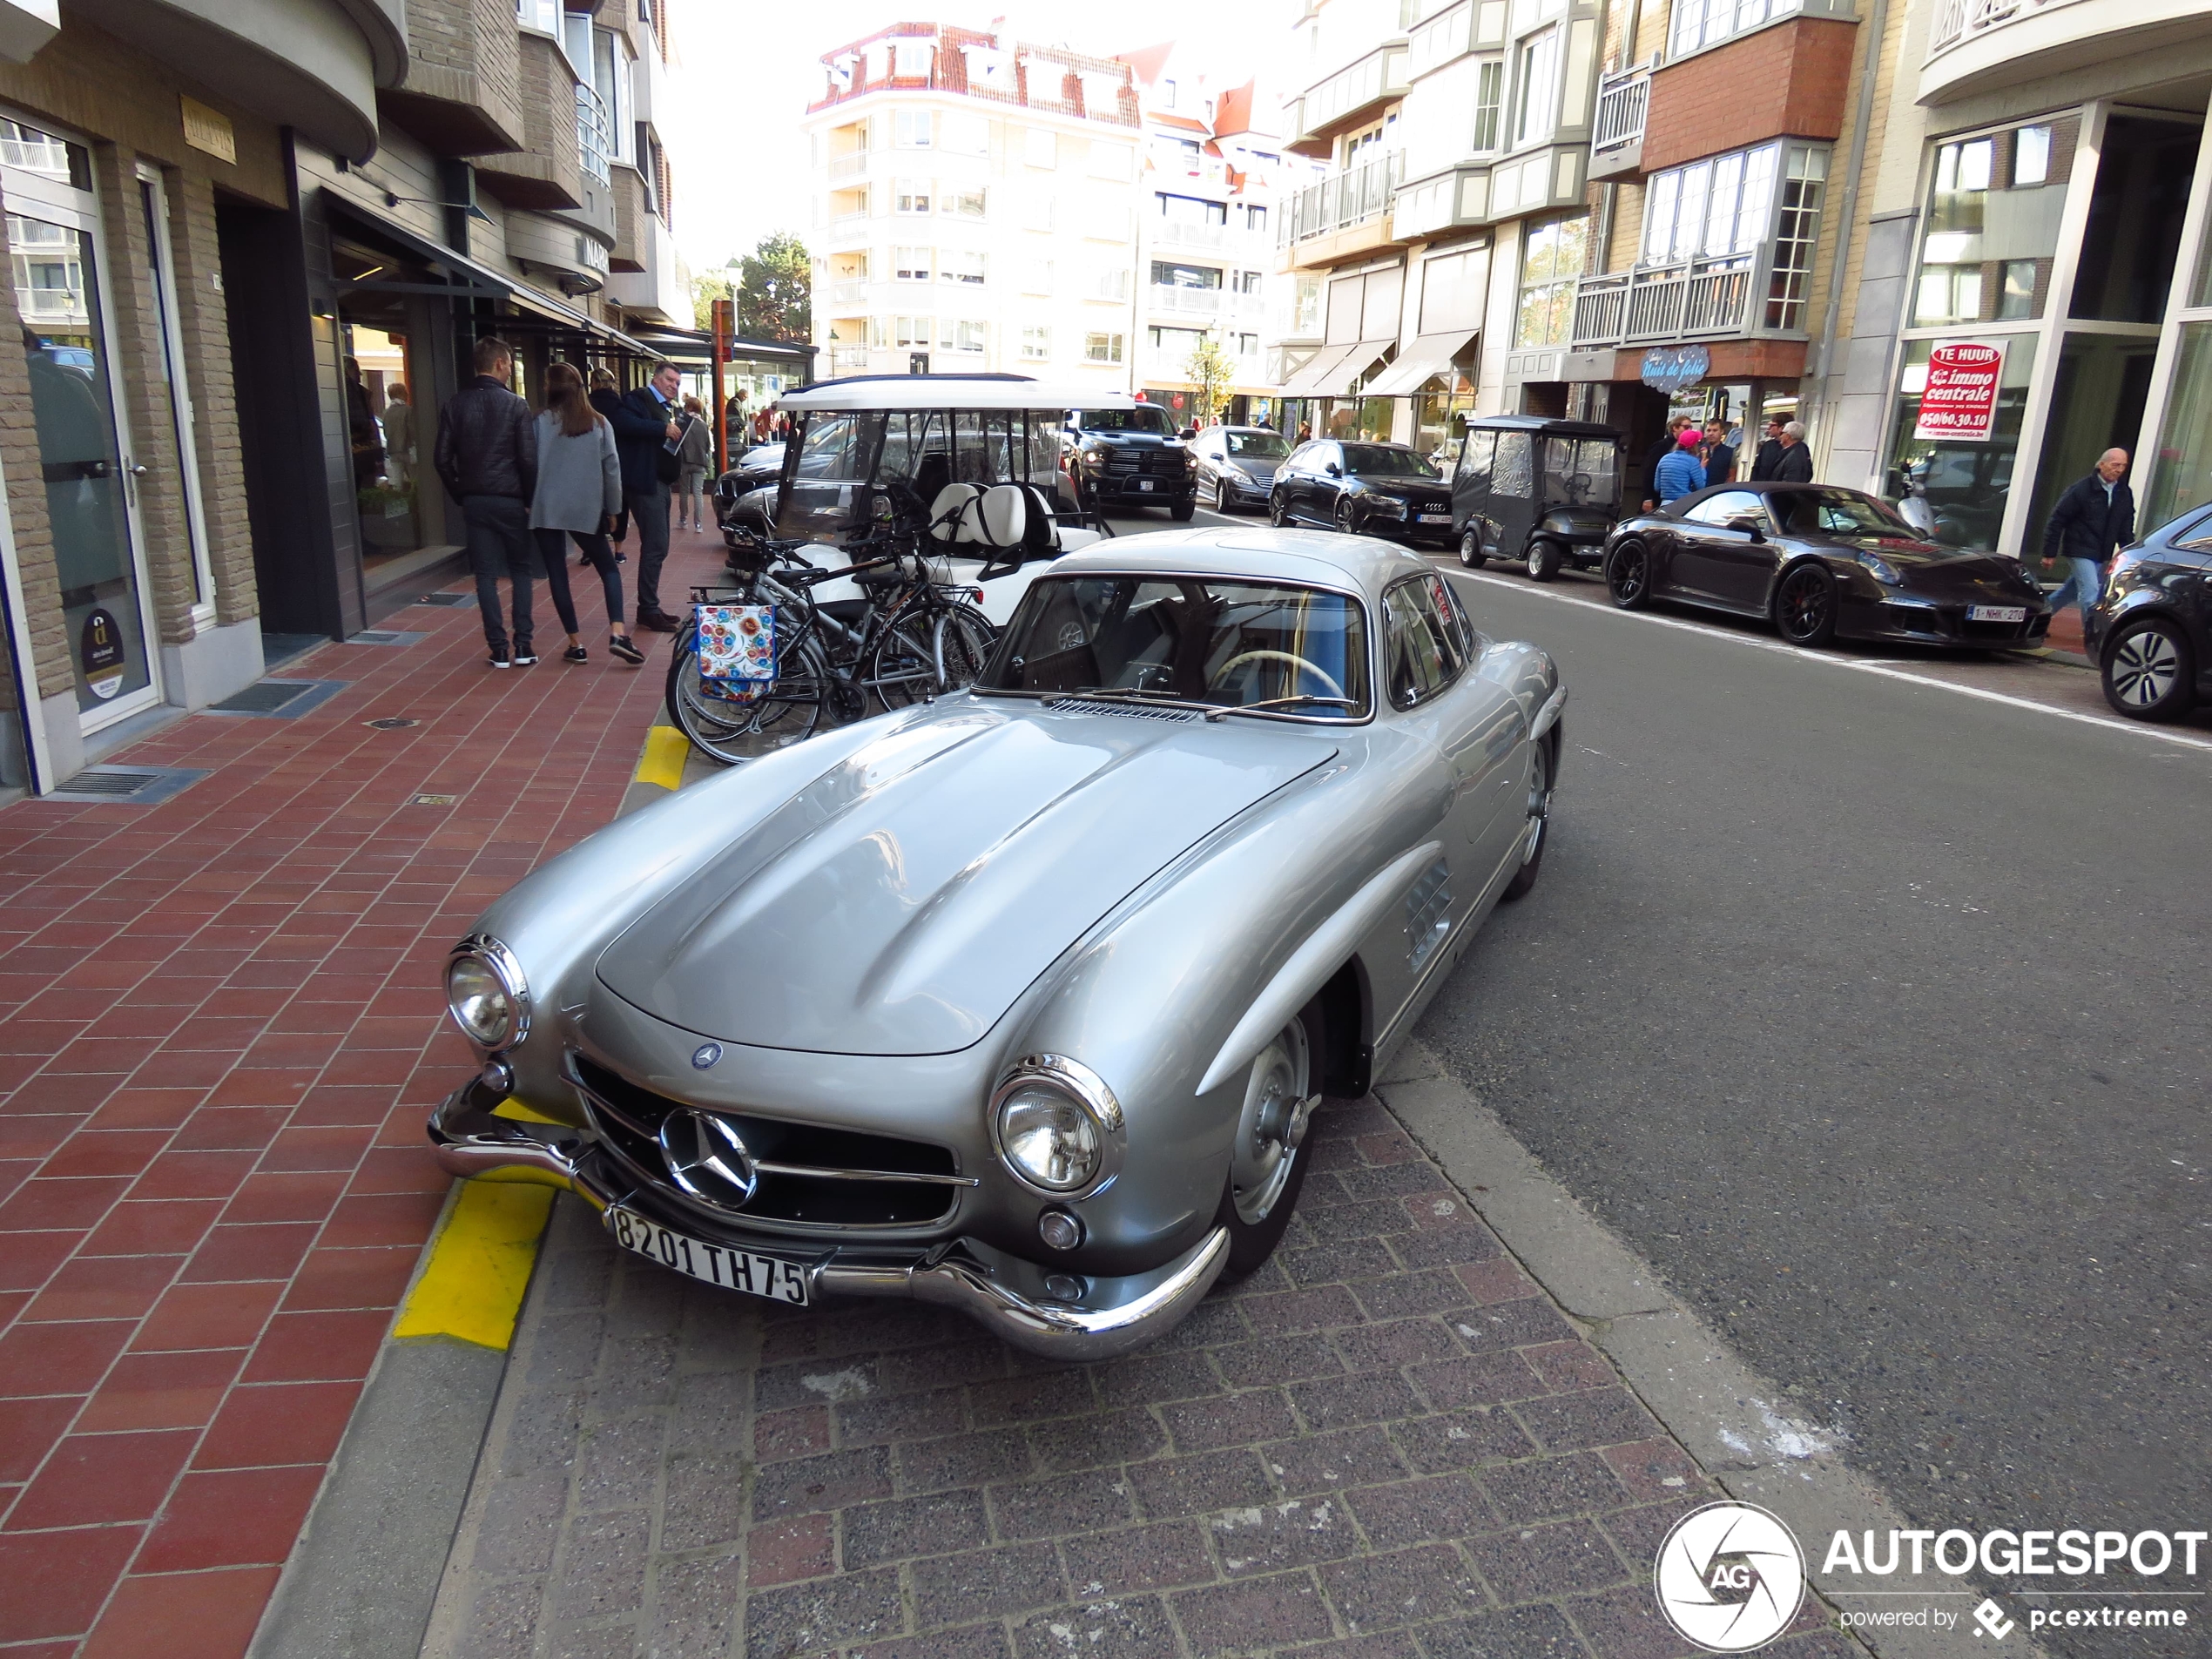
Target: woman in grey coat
[(579, 492), (693, 455)]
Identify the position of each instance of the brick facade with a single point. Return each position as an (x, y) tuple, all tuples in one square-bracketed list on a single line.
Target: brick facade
[(1790, 79)]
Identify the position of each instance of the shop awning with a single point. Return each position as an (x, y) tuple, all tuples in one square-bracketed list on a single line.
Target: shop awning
[(474, 279), (1331, 372), (1429, 355), (569, 317)]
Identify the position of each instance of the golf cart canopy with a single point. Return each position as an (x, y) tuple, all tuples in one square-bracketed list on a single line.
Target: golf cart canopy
[(878, 392)]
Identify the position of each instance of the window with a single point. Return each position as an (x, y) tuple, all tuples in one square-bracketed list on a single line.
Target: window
[(1106, 221), (964, 135), (1796, 229), (1424, 647), (1255, 217), (1729, 504), (1305, 306), (910, 129), (911, 196), (962, 201), (1513, 468), (1102, 348), (1475, 456), (1993, 206), (1489, 93), (1698, 24), (1167, 95), (1032, 210), (910, 264), (910, 60), (1036, 276), (1247, 345), (1036, 344), (1721, 206), (1247, 282), (1172, 273), (1552, 257), (1111, 283), (2031, 156), (1191, 210), (1536, 88), (1178, 343), (967, 268), (953, 336), (1041, 148), (913, 331)]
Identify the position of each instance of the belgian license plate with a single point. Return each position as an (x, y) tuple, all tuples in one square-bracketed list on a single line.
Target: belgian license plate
[(733, 1270), (1144, 483), (1435, 518), (1996, 613)]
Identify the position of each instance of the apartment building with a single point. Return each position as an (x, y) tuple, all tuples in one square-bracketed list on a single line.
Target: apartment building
[(253, 246), (975, 202)]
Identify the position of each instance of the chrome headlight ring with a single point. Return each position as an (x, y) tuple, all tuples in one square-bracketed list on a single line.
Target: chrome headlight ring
[(507, 968), (1087, 1091)]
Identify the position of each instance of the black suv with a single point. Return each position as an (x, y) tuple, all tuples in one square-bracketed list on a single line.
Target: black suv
[(1131, 457), (2153, 625)]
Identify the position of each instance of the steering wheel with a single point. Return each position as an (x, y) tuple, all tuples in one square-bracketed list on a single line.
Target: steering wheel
[(1221, 673)]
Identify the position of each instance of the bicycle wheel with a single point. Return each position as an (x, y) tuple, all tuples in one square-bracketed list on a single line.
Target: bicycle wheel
[(902, 668), (963, 638), (732, 727)]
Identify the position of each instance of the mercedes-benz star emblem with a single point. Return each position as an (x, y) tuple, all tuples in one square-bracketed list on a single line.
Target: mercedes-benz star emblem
[(706, 1157), (706, 1054)]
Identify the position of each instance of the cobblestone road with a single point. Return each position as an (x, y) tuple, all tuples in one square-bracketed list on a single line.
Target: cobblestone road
[(1389, 1443)]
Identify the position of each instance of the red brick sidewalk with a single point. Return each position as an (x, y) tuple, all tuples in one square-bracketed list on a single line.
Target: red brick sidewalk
[(220, 1026)]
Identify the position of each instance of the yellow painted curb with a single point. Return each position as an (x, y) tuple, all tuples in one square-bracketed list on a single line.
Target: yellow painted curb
[(666, 749), (480, 1264)]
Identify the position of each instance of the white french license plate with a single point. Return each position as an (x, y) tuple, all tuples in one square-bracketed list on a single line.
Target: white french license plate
[(1434, 518), (733, 1270), (1144, 483), (1996, 613)]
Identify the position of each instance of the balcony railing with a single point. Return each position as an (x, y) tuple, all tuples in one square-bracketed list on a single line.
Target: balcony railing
[(1623, 100), (850, 291), (1203, 302), (1696, 298), (1167, 234), (595, 133), (848, 358), (1958, 20), (852, 164), (1338, 203)]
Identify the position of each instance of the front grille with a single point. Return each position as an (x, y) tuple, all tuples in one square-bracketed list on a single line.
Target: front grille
[(630, 1118), (1156, 463)]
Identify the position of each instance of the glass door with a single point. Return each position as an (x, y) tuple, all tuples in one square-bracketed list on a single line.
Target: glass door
[(55, 249)]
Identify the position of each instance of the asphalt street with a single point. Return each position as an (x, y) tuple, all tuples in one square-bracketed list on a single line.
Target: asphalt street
[(1873, 1014)]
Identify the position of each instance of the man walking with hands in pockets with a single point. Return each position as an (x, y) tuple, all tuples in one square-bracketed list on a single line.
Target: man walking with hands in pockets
[(646, 434), (2096, 514)]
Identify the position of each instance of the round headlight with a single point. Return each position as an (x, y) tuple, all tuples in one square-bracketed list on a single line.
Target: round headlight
[(483, 1006), (1048, 1140)]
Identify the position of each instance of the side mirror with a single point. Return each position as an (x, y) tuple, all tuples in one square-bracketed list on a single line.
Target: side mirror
[(1335, 471), (1750, 527), (1188, 433)]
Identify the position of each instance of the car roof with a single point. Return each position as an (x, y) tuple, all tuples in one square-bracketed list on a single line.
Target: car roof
[(872, 392), (1543, 424), (1762, 487), (1252, 552)]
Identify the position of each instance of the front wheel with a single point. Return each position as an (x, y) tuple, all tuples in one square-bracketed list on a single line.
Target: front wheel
[(1471, 553), (1266, 1161), (1543, 560), (1627, 576), (1805, 606), (730, 720), (1183, 511), (1538, 829), (1278, 514), (1348, 524), (2148, 673)]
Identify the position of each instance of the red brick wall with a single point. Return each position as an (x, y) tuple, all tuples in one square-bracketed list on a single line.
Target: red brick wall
[(1788, 80)]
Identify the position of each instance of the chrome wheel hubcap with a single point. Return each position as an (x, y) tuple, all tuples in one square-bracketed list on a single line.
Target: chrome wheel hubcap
[(2144, 669), (1540, 804), (1272, 1126)]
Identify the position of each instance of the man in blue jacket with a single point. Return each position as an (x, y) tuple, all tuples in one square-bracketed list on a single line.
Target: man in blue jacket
[(2096, 514), (1680, 474), (645, 430)]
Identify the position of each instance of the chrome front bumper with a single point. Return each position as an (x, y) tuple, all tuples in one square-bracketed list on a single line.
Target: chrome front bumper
[(1111, 1317)]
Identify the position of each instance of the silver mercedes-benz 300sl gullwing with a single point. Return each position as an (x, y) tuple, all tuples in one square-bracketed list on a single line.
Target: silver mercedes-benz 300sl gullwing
[(1019, 1002)]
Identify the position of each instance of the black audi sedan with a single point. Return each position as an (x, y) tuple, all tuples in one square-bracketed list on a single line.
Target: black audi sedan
[(1363, 489), (1821, 563), (2153, 625), (1235, 465), (1130, 457)]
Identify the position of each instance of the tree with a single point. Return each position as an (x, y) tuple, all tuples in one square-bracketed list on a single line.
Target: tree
[(706, 288), (775, 290), (1210, 371)]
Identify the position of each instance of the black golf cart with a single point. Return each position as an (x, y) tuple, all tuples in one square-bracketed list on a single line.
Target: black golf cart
[(1535, 490)]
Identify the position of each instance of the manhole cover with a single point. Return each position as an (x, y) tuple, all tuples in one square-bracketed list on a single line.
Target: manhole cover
[(139, 785), (106, 783), (390, 723), (447, 599), (434, 800)]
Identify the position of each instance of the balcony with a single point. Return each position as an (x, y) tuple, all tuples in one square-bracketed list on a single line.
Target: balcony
[(547, 172), (1980, 46), (851, 291), (1345, 214), (1442, 201), (1722, 297), (848, 360), (853, 164), (1226, 303), (1616, 137), (1352, 92)]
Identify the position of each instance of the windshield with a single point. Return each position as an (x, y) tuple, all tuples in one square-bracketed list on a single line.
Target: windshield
[(1270, 445), (907, 455), (1579, 471), (1144, 418), (1385, 461), (1839, 512), (1189, 639)]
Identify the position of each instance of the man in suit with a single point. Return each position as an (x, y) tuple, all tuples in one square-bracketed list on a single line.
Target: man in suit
[(645, 430), (2095, 516), (1769, 455)]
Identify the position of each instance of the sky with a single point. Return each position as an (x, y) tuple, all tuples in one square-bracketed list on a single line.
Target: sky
[(745, 70)]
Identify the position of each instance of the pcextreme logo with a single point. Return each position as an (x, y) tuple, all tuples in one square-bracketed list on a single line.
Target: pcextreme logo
[(1730, 1577)]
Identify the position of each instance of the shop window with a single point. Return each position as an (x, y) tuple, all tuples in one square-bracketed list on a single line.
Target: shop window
[(1964, 483), (1553, 255), (2097, 399), (1995, 201)]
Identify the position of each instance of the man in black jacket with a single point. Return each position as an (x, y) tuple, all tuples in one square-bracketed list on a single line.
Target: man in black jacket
[(1794, 464), (487, 456), (1769, 455), (646, 428), (2096, 514)]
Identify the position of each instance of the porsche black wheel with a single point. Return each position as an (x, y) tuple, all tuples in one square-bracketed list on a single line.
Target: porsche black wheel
[(1266, 1161), (1471, 553), (1805, 606), (1540, 819), (1627, 576), (2148, 672)]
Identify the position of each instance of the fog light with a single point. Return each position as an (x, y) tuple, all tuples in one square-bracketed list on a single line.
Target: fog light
[(498, 1076), (1063, 1287), (1058, 1230)]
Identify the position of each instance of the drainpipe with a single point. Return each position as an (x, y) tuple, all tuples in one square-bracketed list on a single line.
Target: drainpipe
[(1877, 22)]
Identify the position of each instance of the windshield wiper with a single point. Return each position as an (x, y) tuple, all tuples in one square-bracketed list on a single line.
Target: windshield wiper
[(1146, 692), (1282, 703)]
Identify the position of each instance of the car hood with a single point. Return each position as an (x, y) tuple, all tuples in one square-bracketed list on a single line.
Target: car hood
[(1420, 489), (1930, 566), (901, 903)]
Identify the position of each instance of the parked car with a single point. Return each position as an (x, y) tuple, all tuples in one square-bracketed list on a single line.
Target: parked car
[(1235, 465), (2153, 625), (1130, 455), (761, 464), (1821, 563), (1362, 489), (1019, 1002), (1536, 492)]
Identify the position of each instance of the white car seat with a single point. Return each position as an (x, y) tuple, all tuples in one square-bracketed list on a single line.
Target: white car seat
[(952, 514), (1002, 516)]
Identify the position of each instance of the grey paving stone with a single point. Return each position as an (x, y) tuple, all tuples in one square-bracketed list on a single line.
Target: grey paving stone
[(704, 1502), (1242, 1419), (901, 1417), (1170, 1487), (1511, 1324), (1530, 1564), (618, 1463), (1161, 1556), (1087, 1501), (974, 1641), (937, 1524), (691, 1608), (858, 1606), (964, 1459), (1402, 1586), (593, 1642), (1342, 1402), (1605, 1417), (1254, 1612), (1556, 1485), (1517, 1633), (520, 1525), (831, 1481), (501, 1619), (1360, 1457), (1414, 1512), (1123, 1629), (1462, 1440), (1085, 1442), (1265, 1538), (952, 1590), (602, 1566)]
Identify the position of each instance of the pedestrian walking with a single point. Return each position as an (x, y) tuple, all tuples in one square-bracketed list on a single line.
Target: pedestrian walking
[(606, 397), (646, 434), (399, 436), (1720, 456), (360, 422), (694, 451), (1769, 455), (1670, 442), (1794, 464), (578, 493), (2095, 516), (1680, 473), (486, 456)]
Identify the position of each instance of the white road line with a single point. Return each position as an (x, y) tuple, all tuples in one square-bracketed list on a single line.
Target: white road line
[(1885, 670)]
